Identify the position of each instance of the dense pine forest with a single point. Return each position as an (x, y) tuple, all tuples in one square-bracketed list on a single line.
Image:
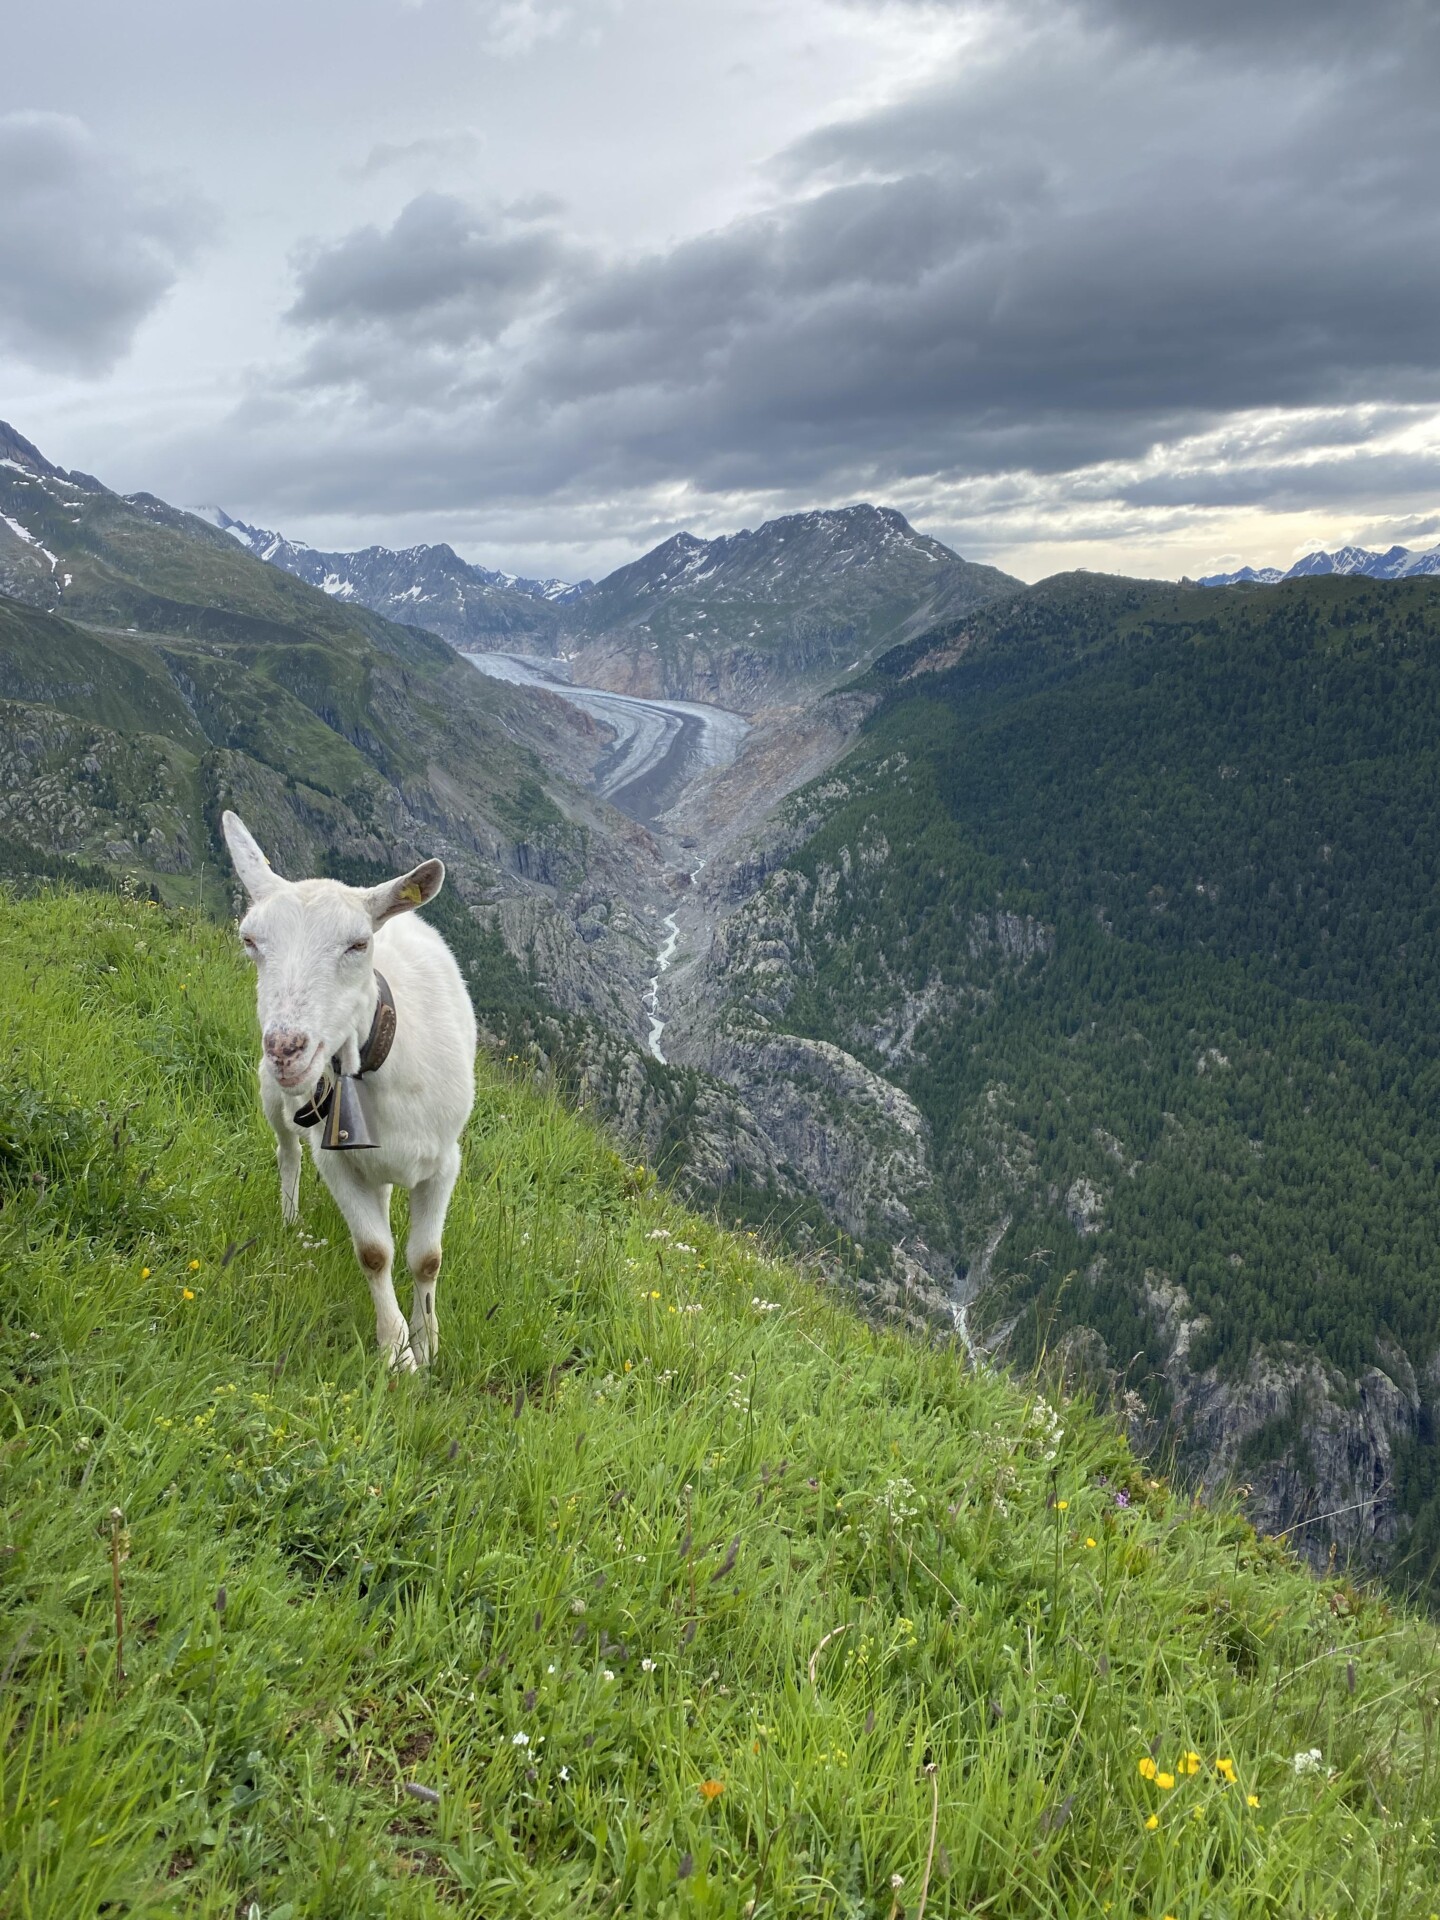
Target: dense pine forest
[(1159, 868)]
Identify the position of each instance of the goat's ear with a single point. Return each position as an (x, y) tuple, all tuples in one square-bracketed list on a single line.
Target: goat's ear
[(257, 876), (411, 890)]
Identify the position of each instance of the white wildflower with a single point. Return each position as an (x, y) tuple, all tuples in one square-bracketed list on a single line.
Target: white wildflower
[(898, 1500), (519, 1739), (1310, 1761)]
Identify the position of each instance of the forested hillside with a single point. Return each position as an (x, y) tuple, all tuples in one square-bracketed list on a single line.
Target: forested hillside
[(1133, 890)]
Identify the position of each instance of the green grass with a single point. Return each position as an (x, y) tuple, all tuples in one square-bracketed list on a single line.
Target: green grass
[(641, 1530)]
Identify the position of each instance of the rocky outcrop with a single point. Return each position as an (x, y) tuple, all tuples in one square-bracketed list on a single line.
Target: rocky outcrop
[(858, 1140), (1312, 1452)]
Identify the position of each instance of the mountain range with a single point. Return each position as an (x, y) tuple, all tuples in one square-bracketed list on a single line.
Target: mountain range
[(738, 619), (1396, 563)]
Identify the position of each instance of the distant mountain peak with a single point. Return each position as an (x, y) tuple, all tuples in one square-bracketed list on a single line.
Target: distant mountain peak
[(1396, 563), (25, 457)]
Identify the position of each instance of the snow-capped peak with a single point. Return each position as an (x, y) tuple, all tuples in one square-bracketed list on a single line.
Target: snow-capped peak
[(1396, 563)]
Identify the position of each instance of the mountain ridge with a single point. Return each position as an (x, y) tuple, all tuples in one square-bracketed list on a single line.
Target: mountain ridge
[(730, 619), (1396, 563)]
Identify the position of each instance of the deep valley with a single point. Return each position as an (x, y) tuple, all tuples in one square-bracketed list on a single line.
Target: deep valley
[(1049, 963)]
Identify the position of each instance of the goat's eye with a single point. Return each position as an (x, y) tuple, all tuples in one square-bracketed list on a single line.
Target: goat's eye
[(250, 946), (357, 946)]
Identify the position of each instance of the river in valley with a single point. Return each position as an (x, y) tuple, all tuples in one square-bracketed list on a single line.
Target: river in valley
[(659, 748)]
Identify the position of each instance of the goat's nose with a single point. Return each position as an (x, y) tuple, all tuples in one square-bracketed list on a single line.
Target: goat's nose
[(285, 1048)]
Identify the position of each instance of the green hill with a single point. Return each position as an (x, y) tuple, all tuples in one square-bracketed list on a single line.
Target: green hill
[(156, 673), (1133, 890), (675, 1591)]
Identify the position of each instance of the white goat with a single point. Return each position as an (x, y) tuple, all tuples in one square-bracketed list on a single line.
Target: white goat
[(316, 945)]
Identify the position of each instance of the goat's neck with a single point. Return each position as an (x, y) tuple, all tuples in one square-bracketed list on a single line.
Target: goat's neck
[(355, 1040)]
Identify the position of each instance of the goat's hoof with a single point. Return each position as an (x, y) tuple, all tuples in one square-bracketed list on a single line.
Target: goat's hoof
[(397, 1351)]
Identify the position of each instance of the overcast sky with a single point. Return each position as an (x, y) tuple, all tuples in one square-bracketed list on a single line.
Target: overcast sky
[(1144, 285)]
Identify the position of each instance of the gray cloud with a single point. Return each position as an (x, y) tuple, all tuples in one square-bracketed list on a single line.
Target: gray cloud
[(1113, 228), (1314, 28), (460, 148), (88, 246), (445, 273)]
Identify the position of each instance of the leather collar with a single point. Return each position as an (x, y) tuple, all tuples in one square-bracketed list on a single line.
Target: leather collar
[(381, 1037)]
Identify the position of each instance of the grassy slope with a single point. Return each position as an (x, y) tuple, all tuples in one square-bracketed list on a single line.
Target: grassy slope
[(622, 1531)]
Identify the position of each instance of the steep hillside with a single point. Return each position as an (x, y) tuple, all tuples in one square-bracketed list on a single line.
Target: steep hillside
[(1129, 893), (155, 673), (675, 1591), (351, 746)]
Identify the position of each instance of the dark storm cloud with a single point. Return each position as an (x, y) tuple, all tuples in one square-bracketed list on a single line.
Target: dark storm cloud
[(1107, 230), (444, 273), (88, 246)]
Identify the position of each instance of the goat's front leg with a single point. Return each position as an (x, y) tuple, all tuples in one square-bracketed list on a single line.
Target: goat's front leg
[(429, 1201), (287, 1146), (367, 1214)]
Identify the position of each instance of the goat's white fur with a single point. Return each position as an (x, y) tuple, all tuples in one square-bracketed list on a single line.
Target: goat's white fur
[(317, 944)]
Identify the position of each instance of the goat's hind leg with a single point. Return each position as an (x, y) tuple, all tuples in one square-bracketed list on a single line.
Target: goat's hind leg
[(429, 1203)]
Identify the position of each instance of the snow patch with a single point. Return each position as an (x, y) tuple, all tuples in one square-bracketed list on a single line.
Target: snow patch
[(23, 533)]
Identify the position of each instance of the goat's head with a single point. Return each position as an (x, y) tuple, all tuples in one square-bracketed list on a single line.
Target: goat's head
[(313, 945)]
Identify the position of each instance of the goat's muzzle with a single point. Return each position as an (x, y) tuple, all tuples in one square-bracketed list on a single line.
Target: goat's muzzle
[(291, 1056)]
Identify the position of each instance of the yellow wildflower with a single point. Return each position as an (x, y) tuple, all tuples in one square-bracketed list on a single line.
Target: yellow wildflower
[(1252, 1799), (144, 1273), (1226, 1771), (1152, 1823), (1088, 1541), (1062, 1506), (1148, 1768), (712, 1789), (194, 1266), (1165, 1781), (1188, 1763), (187, 1293)]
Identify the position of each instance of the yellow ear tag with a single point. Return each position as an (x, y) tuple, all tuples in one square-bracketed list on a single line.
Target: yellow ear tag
[(410, 893)]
